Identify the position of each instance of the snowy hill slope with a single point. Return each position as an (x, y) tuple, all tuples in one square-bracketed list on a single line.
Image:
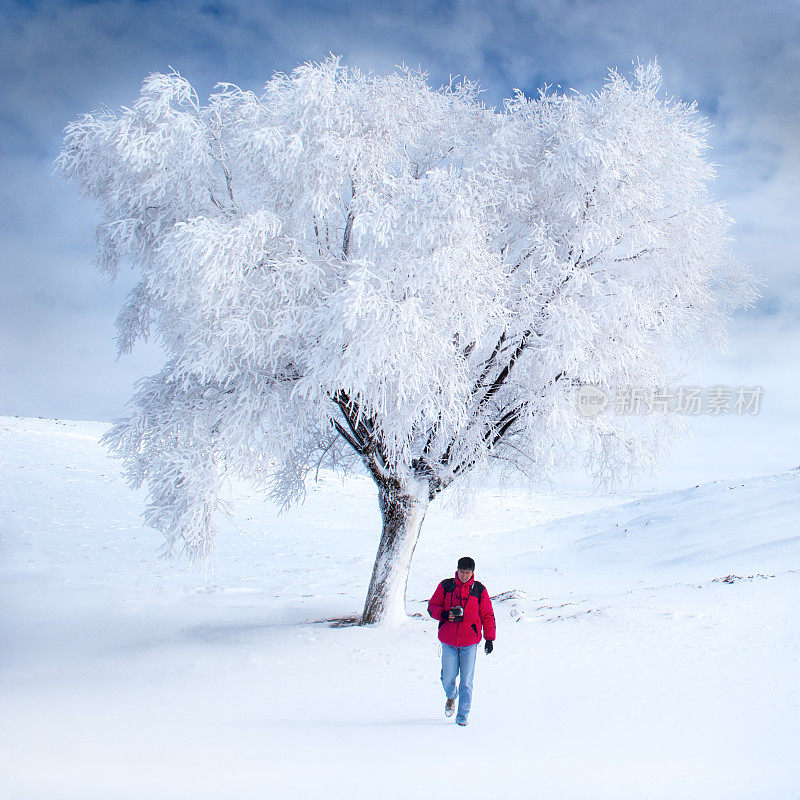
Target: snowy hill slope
[(648, 646), (698, 533)]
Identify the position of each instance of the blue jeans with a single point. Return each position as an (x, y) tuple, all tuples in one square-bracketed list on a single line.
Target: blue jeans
[(455, 660)]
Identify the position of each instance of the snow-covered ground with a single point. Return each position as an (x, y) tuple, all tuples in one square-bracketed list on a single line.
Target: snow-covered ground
[(651, 648)]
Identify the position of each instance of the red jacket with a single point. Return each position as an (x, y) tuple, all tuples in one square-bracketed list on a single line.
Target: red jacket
[(478, 613)]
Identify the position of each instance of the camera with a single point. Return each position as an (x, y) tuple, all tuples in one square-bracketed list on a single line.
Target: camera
[(457, 612)]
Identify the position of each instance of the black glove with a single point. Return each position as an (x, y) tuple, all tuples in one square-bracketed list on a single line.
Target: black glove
[(445, 615), (488, 647)]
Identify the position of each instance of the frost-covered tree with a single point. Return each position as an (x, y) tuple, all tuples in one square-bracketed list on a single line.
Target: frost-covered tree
[(354, 268)]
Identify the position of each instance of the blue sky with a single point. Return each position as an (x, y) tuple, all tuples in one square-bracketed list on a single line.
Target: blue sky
[(739, 60)]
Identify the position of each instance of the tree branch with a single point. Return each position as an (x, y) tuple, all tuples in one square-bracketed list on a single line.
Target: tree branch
[(622, 235), (489, 363), (505, 372), (365, 432), (348, 438), (348, 228), (494, 433)]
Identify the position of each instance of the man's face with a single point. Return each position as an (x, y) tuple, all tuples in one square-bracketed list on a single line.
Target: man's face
[(464, 575)]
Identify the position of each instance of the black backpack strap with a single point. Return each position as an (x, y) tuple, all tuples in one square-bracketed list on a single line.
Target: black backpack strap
[(477, 590), (449, 585)]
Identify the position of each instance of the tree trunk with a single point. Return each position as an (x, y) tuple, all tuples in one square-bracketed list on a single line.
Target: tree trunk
[(402, 512)]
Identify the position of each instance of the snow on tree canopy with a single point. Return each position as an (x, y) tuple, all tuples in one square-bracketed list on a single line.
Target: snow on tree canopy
[(354, 268)]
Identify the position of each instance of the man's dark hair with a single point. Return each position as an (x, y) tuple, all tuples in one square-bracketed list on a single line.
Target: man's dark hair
[(466, 563)]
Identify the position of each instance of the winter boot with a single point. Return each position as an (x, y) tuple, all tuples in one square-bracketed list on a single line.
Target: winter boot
[(449, 707)]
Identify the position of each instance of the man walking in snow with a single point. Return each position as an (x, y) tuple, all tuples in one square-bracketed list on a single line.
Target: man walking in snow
[(463, 608)]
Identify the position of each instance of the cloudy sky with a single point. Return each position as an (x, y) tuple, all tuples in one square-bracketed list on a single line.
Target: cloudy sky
[(739, 60)]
